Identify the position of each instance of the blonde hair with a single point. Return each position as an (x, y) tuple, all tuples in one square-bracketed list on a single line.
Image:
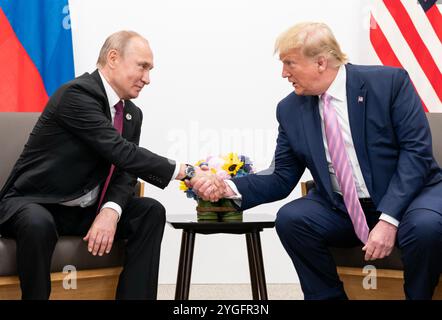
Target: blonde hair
[(313, 39), (116, 41)]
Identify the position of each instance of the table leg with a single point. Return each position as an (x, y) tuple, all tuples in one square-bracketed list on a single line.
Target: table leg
[(256, 245), (252, 267), (180, 272), (185, 265)]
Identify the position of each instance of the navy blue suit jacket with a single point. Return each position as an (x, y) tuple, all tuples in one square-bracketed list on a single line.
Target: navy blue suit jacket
[(391, 137)]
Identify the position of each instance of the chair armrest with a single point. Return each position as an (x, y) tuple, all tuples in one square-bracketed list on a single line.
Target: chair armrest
[(306, 187), (139, 189)]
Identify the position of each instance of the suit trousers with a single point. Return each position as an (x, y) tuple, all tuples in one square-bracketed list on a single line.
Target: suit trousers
[(36, 228), (307, 228)]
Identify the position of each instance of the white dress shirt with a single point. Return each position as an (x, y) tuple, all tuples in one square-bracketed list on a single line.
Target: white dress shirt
[(338, 93), (91, 197)]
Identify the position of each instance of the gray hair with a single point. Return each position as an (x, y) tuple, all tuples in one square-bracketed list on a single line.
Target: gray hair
[(117, 41)]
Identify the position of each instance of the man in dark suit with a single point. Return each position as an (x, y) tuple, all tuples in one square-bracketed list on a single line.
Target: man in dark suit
[(362, 133), (77, 174)]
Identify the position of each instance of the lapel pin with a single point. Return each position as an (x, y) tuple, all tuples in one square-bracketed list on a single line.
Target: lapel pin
[(128, 116), (360, 99)]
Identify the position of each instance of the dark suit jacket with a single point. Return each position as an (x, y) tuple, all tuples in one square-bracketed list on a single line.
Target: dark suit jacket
[(391, 137), (72, 146)]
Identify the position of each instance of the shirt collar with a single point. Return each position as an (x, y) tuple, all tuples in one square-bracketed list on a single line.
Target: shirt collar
[(112, 96), (337, 87)]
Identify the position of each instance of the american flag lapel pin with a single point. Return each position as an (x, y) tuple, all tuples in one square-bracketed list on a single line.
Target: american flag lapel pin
[(360, 99)]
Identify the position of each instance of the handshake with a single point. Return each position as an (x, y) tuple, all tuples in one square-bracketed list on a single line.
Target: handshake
[(208, 185)]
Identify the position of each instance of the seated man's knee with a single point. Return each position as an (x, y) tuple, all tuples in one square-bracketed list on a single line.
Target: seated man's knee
[(34, 222), (156, 211), (290, 216), (425, 228)]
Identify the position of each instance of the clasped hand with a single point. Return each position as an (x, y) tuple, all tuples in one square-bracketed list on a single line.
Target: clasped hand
[(207, 185)]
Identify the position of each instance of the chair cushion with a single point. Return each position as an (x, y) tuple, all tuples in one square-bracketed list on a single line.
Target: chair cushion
[(354, 257), (68, 251)]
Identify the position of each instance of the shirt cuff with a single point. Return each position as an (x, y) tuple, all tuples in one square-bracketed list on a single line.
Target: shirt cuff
[(177, 170), (389, 219), (113, 205), (237, 195)]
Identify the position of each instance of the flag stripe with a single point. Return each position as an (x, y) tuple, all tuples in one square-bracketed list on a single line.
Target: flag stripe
[(425, 30), (43, 28), (382, 46), (435, 18), (406, 57), (383, 49), (36, 54), (21, 86), (420, 51)]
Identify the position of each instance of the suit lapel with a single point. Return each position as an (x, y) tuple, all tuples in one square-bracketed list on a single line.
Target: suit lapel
[(356, 103), (97, 78), (313, 130), (128, 120)]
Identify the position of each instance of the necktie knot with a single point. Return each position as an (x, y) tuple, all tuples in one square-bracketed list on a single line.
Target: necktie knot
[(325, 97), (119, 107)]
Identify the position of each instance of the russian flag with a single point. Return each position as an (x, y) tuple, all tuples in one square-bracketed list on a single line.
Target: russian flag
[(36, 54)]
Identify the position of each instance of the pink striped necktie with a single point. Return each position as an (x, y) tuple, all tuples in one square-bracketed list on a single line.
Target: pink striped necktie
[(118, 124), (343, 170)]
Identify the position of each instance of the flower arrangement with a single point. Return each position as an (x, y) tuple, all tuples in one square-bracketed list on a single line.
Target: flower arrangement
[(226, 167)]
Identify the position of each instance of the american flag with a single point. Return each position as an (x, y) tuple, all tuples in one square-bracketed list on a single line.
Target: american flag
[(408, 34)]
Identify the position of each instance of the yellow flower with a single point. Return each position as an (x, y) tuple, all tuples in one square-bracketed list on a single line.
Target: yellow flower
[(232, 163), (183, 186)]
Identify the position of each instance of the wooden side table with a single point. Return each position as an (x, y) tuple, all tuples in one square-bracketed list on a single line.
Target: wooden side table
[(251, 225)]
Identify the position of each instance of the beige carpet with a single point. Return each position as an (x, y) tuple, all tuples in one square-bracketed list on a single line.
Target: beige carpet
[(232, 292)]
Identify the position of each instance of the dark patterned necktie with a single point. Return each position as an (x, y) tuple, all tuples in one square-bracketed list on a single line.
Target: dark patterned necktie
[(118, 124)]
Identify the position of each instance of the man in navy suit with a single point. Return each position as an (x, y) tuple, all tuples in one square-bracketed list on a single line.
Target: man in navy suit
[(387, 143)]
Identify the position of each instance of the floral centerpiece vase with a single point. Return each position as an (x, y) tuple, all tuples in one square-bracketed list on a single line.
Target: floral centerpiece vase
[(227, 167)]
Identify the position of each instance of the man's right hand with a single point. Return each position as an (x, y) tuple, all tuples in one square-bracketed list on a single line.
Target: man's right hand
[(100, 236)]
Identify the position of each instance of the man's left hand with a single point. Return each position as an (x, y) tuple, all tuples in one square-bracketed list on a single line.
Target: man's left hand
[(100, 236), (380, 241)]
